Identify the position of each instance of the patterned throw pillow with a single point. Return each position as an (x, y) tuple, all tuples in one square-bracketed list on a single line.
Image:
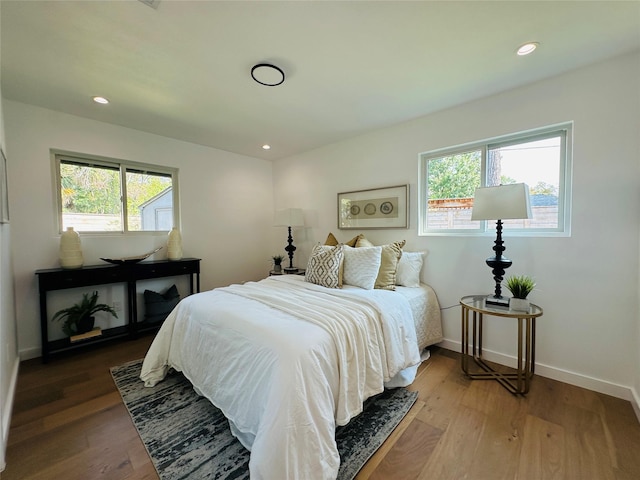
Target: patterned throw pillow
[(361, 266), (325, 266)]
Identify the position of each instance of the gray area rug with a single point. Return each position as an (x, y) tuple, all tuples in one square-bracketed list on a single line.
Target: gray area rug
[(188, 438)]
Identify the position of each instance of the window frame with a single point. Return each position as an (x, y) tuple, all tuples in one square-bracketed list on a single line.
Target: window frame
[(485, 228), (58, 156)]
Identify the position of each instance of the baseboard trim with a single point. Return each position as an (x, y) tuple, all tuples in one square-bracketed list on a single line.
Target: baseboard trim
[(7, 408), (29, 353), (554, 373), (635, 402)]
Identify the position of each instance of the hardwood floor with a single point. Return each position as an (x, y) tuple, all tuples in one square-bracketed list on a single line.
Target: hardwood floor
[(69, 422)]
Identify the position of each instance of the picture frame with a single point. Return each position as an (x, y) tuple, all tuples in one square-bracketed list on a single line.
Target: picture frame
[(4, 192), (374, 208)]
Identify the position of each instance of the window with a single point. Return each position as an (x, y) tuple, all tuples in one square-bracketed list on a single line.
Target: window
[(541, 159), (106, 195)]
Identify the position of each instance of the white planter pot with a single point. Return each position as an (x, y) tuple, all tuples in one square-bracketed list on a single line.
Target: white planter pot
[(519, 304)]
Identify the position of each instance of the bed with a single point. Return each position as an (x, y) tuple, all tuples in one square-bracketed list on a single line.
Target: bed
[(285, 384)]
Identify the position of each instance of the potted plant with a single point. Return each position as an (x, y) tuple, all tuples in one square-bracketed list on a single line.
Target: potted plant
[(79, 317), (520, 286), (277, 262)]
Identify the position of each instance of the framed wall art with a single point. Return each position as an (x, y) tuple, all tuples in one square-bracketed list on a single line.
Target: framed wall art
[(374, 208), (4, 194)]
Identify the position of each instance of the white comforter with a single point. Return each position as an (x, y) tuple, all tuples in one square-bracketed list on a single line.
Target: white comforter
[(287, 361)]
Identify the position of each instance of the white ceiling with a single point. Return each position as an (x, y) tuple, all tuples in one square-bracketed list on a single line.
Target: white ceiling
[(183, 70)]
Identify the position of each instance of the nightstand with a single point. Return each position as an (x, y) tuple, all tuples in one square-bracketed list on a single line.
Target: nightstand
[(476, 307), (300, 271)]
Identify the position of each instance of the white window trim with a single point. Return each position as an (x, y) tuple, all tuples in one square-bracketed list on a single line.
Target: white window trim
[(487, 228), (122, 165)]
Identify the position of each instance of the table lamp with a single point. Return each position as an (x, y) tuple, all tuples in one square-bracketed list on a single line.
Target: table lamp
[(290, 217), (500, 203)]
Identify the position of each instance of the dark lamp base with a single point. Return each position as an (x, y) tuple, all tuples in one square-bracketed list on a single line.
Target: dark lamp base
[(290, 269)]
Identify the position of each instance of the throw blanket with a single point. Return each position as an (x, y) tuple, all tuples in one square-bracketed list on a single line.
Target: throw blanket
[(282, 382), (354, 323)]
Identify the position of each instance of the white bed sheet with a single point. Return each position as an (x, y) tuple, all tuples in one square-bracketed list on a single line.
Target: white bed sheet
[(279, 380)]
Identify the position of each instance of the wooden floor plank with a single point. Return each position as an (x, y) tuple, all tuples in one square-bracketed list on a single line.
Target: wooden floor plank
[(69, 422)]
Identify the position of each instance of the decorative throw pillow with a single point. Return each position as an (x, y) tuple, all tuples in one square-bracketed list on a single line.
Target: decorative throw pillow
[(361, 266), (331, 240), (389, 259), (354, 241), (363, 242), (158, 306), (409, 268), (325, 266)]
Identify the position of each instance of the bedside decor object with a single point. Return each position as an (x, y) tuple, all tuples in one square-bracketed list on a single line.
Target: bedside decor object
[(277, 262), (500, 203), (290, 217), (70, 252), (374, 208), (520, 287), (126, 260), (174, 245), (79, 318)]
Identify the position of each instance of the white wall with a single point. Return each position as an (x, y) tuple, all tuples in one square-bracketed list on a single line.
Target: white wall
[(226, 203), (9, 360), (587, 283)]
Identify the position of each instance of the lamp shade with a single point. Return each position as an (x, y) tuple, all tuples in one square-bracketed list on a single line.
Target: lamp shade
[(501, 202), (289, 217)]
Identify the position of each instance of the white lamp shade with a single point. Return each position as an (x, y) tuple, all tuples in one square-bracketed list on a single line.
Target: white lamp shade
[(289, 217), (502, 202)]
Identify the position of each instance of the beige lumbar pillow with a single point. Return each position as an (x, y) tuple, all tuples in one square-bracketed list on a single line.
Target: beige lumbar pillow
[(390, 257)]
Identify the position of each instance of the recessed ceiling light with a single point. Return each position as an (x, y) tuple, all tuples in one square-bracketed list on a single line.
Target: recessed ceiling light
[(267, 74), (100, 100), (527, 48), (266, 147)]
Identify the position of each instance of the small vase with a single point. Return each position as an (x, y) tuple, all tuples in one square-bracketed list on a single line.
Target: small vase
[(174, 245), (70, 252), (277, 268), (519, 304)]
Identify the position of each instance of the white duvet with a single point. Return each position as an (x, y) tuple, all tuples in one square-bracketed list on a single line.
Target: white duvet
[(287, 361)]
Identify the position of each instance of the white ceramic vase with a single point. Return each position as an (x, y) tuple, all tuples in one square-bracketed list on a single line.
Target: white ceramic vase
[(70, 252), (174, 245)]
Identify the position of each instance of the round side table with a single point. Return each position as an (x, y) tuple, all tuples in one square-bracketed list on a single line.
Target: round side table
[(475, 308)]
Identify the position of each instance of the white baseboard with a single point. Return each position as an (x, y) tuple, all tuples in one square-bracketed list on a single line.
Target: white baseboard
[(7, 408), (635, 402), (30, 353), (572, 378)]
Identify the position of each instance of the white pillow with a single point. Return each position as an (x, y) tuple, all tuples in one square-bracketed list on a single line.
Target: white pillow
[(409, 268), (361, 266)]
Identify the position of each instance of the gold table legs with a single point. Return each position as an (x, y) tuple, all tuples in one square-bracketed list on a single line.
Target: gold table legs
[(525, 364)]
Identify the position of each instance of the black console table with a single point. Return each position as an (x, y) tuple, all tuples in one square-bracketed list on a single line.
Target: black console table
[(60, 279)]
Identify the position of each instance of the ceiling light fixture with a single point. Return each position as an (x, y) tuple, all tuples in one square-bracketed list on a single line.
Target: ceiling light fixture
[(266, 147), (101, 100), (527, 48), (267, 74)]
